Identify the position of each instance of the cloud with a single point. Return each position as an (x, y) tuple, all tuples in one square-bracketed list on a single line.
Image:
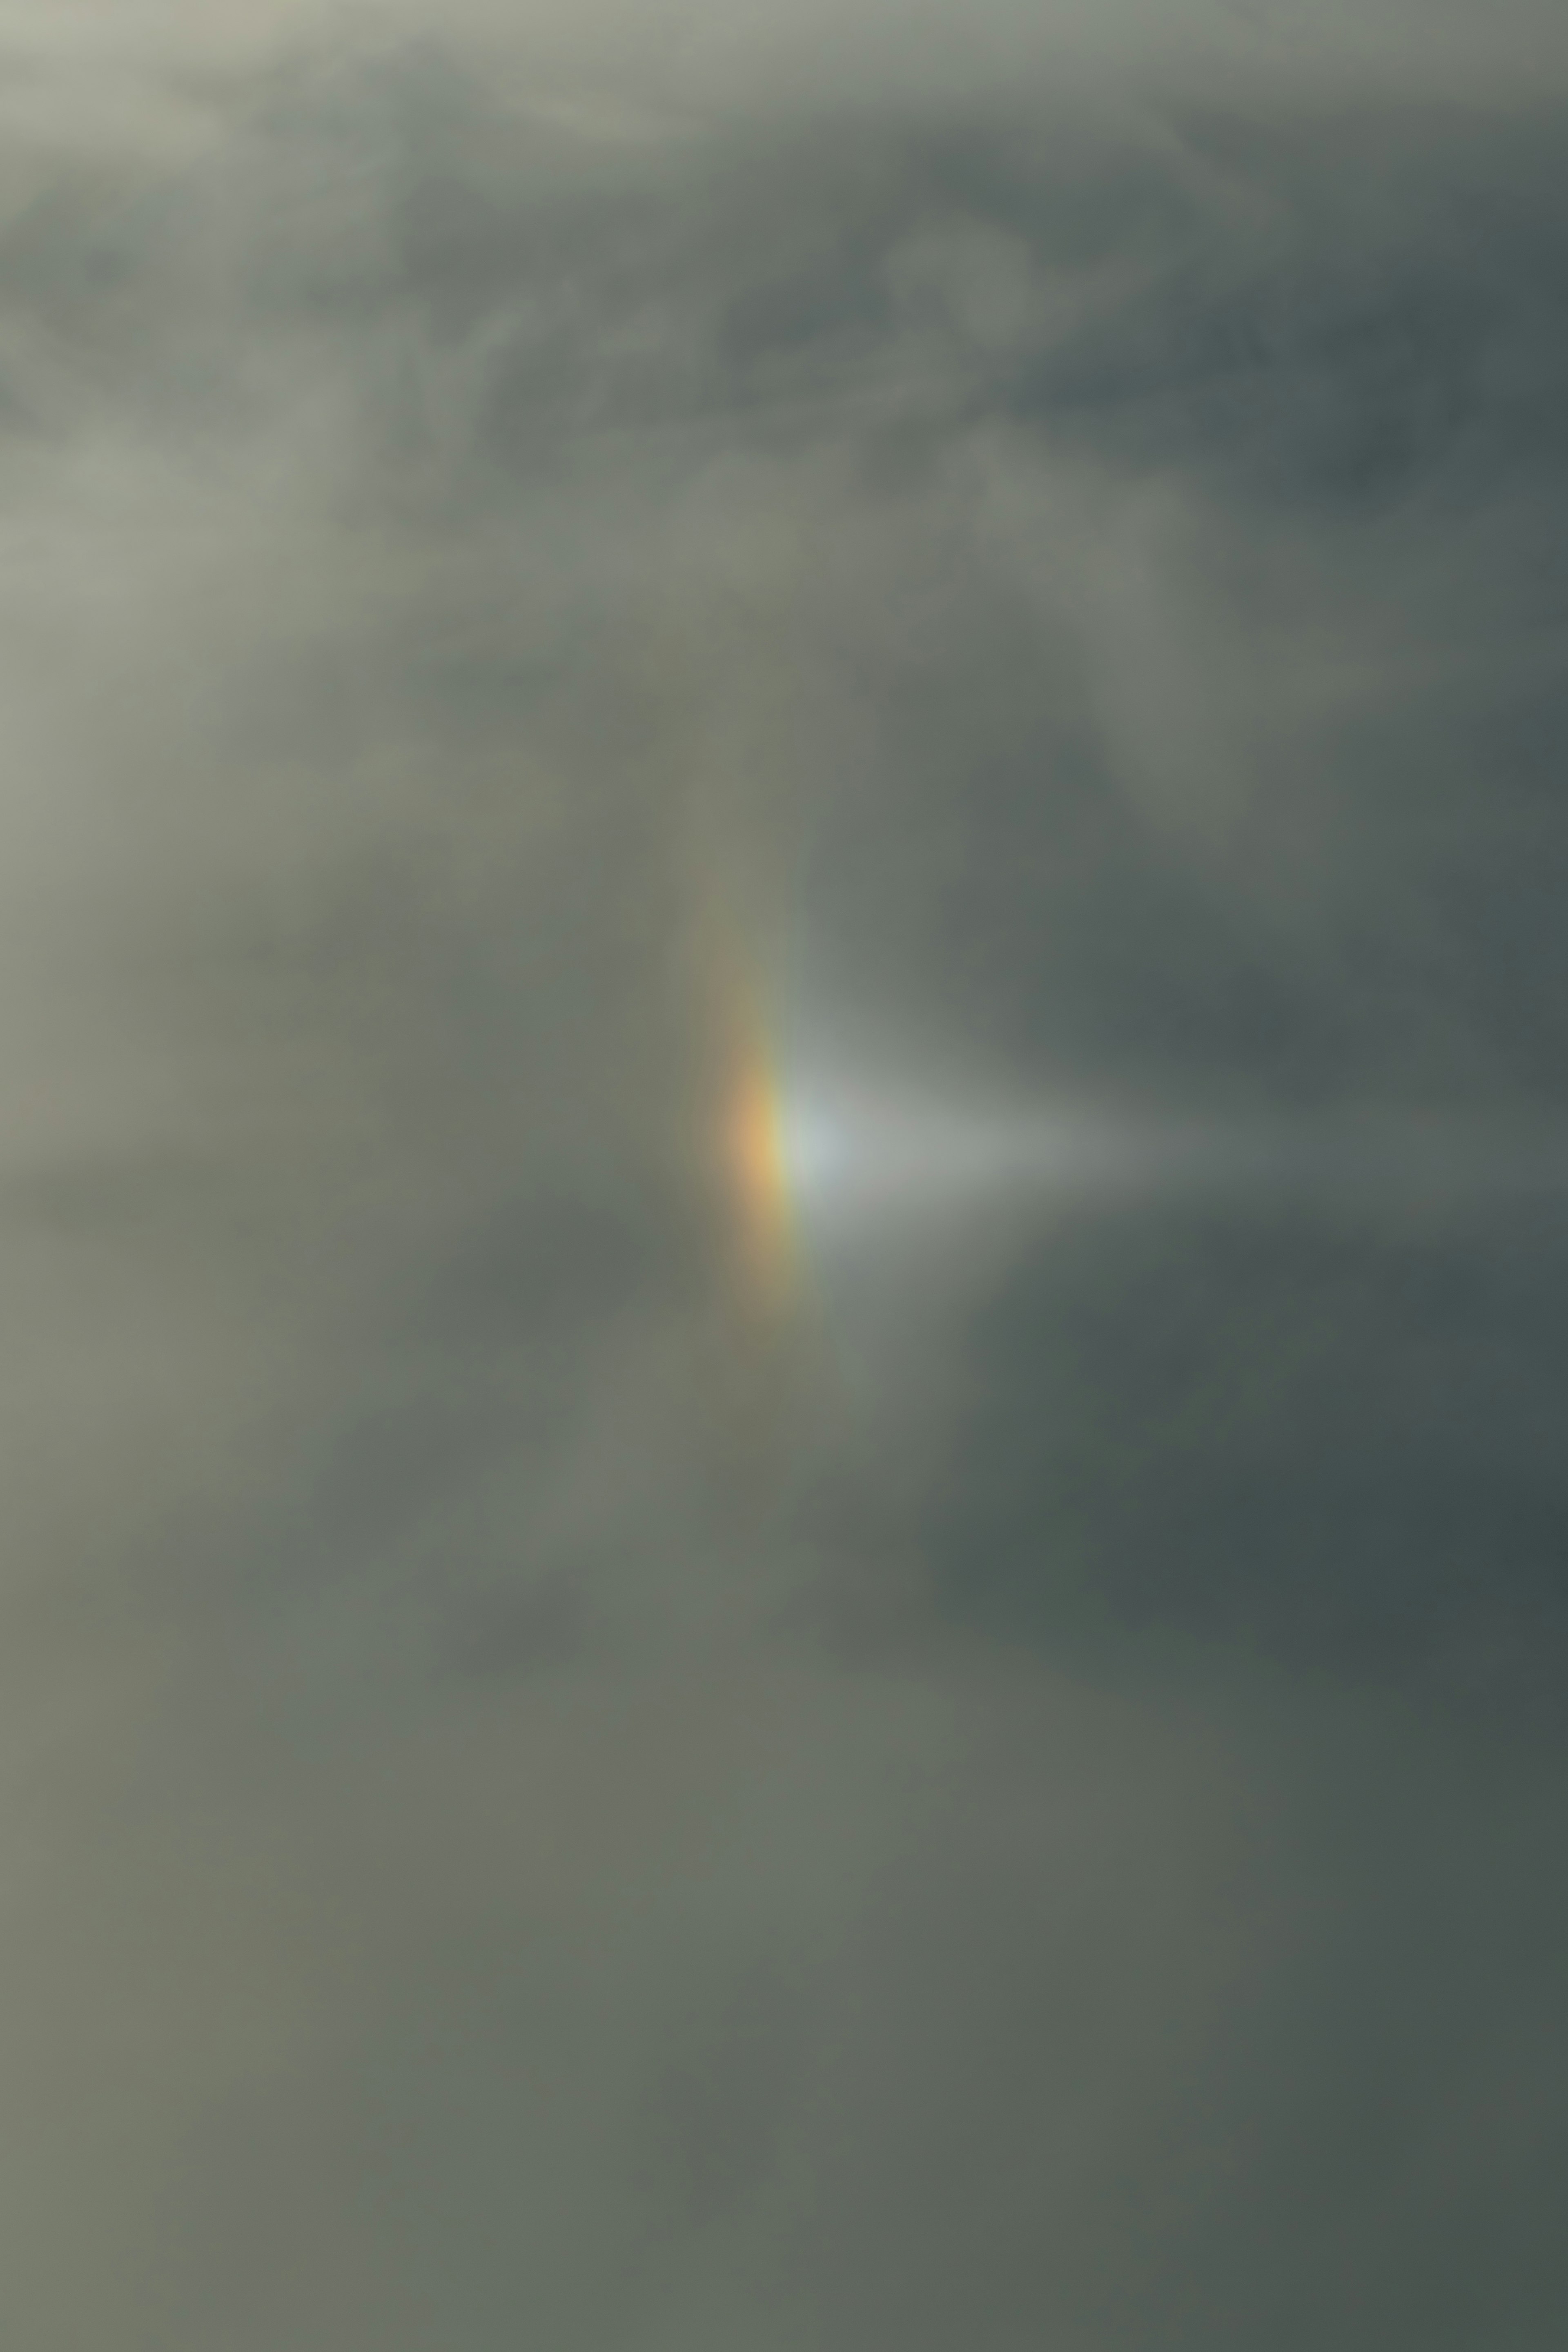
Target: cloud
[(537, 1800)]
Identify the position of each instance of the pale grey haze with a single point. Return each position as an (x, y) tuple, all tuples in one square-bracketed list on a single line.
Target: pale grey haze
[(578, 1771)]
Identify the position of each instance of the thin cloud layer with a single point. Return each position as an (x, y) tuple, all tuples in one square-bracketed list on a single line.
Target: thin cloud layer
[(540, 1798)]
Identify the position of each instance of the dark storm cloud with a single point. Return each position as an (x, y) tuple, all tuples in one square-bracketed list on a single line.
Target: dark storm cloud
[(532, 1806)]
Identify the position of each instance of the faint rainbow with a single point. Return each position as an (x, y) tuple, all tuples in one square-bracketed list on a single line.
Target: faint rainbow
[(749, 1175), (757, 1176)]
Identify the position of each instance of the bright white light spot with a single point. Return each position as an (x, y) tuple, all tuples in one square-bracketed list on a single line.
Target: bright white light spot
[(817, 1147), (856, 1149)]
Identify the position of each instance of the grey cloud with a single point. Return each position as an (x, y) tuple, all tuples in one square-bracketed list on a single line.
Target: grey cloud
[(1021, 1809)]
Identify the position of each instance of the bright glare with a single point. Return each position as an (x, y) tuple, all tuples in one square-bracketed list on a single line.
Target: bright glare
[(817, 1145), (854, 1148)]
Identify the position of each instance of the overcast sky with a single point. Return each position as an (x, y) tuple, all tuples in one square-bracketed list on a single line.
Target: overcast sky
[(1006, 1791)]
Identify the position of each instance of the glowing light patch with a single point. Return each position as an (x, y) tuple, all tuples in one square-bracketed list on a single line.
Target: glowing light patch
[(757, 1169), (816, 1146)]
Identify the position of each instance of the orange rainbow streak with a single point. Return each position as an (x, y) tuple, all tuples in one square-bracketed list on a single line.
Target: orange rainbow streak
[(757, 1180)]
